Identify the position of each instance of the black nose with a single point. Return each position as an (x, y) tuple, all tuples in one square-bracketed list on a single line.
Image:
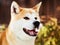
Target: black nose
[(36, 24)]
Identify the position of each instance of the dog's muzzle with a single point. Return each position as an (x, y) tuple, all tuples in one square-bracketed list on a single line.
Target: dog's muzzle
[(36, 24), (32, 32)]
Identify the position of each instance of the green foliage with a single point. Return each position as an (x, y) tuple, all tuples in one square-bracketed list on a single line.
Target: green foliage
[(49, 34)]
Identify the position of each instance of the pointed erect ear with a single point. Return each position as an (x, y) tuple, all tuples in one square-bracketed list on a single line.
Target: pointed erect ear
[(14, 8), (36, 8)]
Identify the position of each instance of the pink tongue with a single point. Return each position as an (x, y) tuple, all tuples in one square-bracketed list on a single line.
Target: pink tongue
[(31, 33)]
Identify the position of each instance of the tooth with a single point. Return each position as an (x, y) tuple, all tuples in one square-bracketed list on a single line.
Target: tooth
[(36, 30)]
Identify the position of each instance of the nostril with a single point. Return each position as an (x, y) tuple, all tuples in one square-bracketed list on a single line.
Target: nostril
[(36, 24)]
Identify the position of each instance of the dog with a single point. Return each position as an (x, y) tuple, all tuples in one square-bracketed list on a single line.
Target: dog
[(23, 27)]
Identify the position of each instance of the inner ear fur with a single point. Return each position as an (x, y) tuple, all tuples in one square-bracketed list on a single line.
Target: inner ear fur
[(37, 7)]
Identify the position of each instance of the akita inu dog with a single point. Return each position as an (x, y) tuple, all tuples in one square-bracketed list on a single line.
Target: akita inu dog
[(23, 27)]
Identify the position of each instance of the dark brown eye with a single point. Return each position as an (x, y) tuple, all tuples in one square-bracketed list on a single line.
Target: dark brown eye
[(26, 18), (36, 18)]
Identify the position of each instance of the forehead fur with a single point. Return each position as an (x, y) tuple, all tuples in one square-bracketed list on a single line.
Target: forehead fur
[(23, 12)]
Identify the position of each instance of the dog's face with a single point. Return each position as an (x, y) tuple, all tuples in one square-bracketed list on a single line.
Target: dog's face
[(25, 22)]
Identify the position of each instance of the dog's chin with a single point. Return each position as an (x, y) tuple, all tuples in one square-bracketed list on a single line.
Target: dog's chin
[(32, 32)]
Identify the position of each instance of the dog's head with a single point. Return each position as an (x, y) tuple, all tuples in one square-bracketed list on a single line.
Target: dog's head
[(25, 22)]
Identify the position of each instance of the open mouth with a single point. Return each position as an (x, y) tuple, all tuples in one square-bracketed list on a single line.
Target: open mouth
[(32, 32)]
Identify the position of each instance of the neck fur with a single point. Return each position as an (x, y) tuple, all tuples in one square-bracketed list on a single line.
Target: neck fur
[(14, 40)]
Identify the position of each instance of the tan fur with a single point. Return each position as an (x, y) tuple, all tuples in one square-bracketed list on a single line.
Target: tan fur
[(3, 40)]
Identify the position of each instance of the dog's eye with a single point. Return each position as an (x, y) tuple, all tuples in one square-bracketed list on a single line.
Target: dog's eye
[(36, 18), (26, 18)]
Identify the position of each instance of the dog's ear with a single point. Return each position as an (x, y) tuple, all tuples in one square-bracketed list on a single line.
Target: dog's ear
[(14, 8), (37, 7)]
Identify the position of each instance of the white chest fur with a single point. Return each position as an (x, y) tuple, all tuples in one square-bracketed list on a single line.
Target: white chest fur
[(14, 40)]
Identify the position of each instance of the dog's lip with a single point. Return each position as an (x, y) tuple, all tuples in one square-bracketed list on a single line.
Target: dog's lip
[(32, 32)]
